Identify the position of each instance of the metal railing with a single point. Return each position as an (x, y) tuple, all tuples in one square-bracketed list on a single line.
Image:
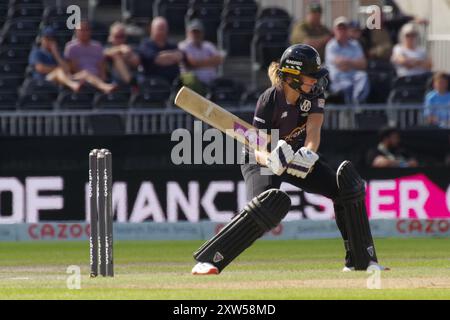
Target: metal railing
[(163, 121)]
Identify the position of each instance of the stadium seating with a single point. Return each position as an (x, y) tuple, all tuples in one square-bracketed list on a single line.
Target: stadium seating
[(419, 81), (380, 75), (68, 100), (268, 47), (37, 95), (225, 92), (235, 37), (26, 12), (174, 11), (116, 100), (273, 13), (138, 12), (153, 92)]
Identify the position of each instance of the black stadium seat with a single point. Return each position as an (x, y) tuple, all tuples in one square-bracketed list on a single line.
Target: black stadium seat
[(273, 13), (69, 100), (53, 13), (8, 101), (37, 95), (206, 3), (406, 95), (9, 54), (9, 68), (225, 92), (242, 13), (24, 41), (138, 12), (419, 81), (272, 26), (9, 83), (26, 12), (21, 26), (116, 100), (26, 2), (241, 4), (174, 11), (235, 36), (268, 47), (153, 93)]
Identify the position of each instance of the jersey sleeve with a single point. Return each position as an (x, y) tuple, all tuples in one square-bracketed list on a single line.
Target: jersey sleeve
[(263, 113), (318, 105)]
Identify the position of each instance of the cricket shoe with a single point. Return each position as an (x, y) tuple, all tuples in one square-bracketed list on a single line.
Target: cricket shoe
[(204, 268), (374, 265)]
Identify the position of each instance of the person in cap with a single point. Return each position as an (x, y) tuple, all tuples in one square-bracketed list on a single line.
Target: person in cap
[(408, 57), (48, 64), (202, 58), (346, 62), (312, 31)]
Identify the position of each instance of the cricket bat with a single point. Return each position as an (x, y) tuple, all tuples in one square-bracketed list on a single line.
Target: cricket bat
[(221, 119)]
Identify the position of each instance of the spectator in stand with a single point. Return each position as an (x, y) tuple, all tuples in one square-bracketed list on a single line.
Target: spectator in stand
[(120, 55), (159, 57), (48, 64), (388, 153), (86, 59), (202, 58), (312, 31), (408, 58), (345, 60), (437, 102)]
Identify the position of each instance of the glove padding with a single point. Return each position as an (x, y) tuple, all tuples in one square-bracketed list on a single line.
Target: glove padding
[(304, 160), (280, 158)]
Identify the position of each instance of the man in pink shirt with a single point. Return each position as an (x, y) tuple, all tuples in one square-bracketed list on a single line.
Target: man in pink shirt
[(86, 59)]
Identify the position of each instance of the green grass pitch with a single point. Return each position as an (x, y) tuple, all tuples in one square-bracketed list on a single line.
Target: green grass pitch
[(295, 269)]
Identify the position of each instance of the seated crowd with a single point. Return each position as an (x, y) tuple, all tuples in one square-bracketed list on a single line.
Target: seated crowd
[(346, 50), (193, 61)]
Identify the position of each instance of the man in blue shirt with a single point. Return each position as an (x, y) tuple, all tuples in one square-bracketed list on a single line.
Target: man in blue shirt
[(437, 102), (48, 64), (346, 62), (159, 57)]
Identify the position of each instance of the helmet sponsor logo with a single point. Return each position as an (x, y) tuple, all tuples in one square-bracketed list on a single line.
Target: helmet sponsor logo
[(295, 63), (319, 62)]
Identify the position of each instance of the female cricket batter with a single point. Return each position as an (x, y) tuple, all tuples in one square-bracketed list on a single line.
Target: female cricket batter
[(294, 105)]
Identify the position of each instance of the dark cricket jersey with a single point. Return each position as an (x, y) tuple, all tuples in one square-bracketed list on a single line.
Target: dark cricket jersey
[(273, 112)]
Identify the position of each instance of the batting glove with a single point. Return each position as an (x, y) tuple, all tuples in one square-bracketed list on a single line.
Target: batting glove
[(304, 160), (280, 157)]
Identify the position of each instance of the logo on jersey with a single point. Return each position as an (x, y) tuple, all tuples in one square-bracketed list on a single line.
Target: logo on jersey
[(284, 114), (291, 137), (321, 103), (306, 106)]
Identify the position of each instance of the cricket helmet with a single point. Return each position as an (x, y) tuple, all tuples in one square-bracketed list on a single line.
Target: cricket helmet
[(303, 60)]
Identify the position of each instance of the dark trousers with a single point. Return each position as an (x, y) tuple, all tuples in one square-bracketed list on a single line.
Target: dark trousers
[(321, 180)]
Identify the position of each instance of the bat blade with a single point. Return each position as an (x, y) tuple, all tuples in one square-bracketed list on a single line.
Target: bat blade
[(221, 119)]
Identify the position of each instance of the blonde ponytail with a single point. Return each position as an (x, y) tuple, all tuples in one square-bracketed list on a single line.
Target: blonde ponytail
[(272, 72)]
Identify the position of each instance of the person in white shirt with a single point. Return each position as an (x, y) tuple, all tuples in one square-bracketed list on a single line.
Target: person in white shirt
[(408, 58)]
